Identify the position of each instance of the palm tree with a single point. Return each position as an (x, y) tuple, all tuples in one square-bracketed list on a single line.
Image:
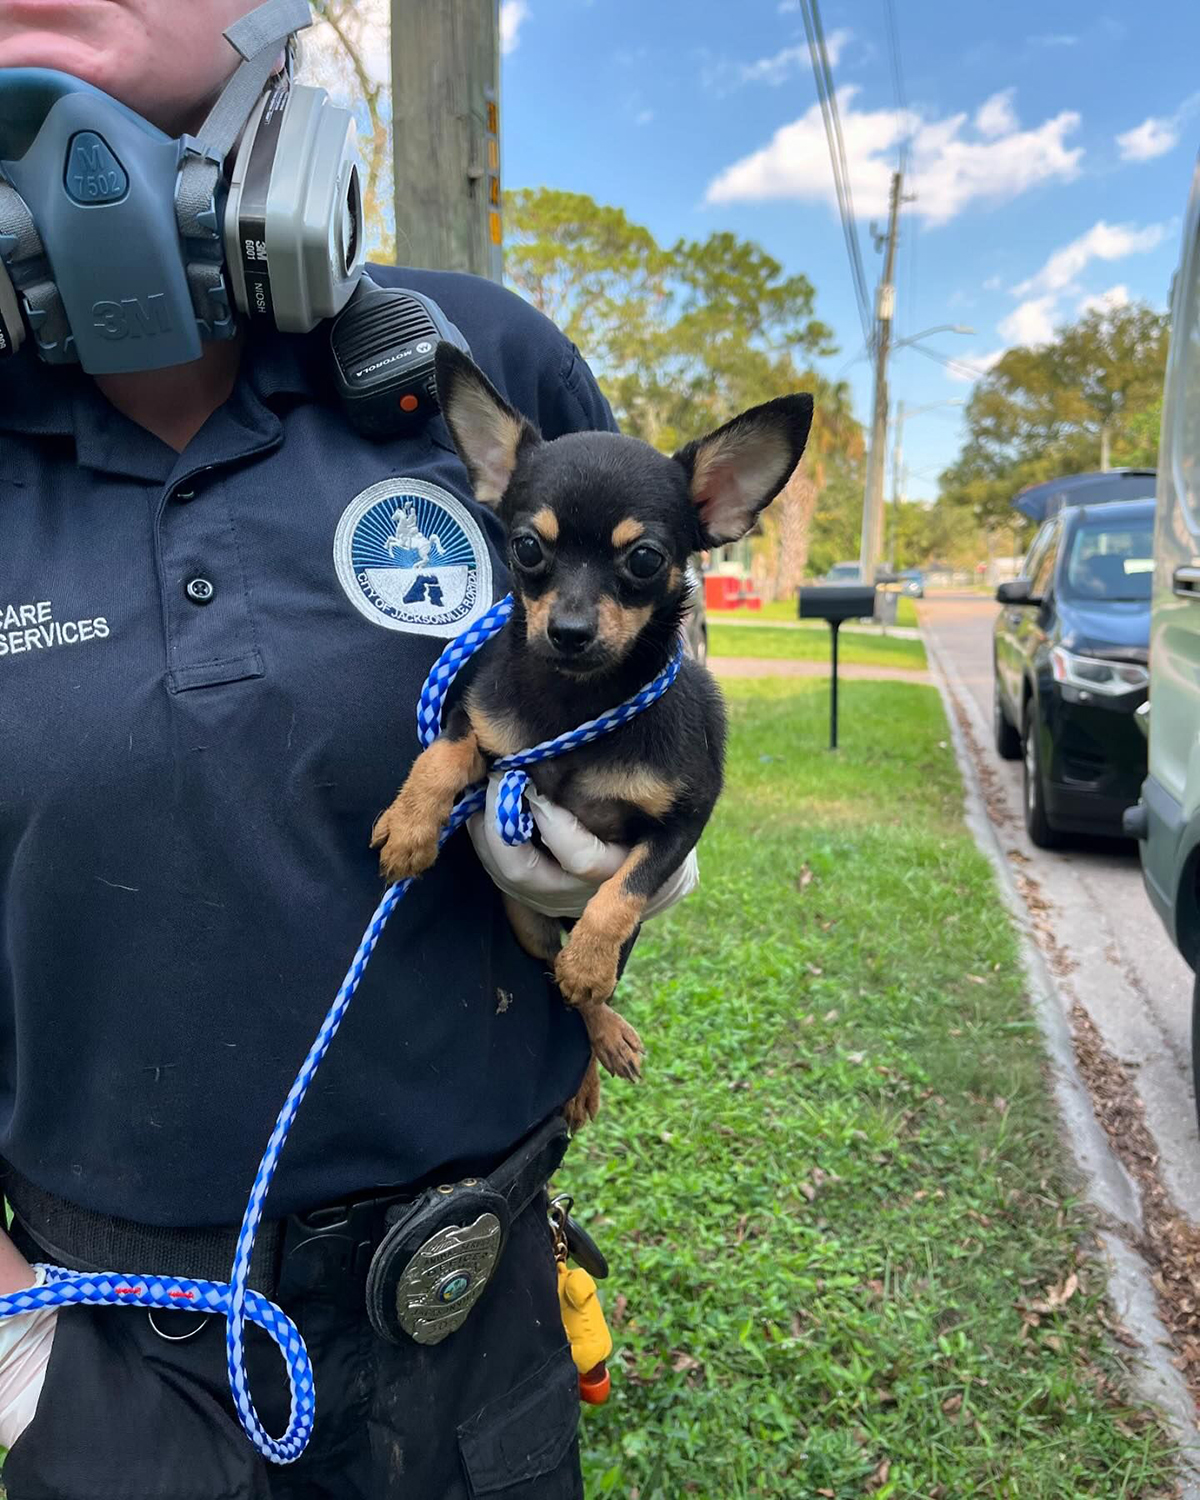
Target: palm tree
[(836, 439)]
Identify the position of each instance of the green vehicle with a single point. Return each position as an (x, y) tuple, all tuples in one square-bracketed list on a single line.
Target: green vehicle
[(1167, 820)]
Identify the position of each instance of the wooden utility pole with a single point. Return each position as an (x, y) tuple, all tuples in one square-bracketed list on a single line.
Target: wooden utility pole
[(885, 307), (446, 134), (897, 461)]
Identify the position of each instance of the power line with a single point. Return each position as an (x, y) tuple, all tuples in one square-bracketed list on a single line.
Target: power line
[(905, 145), (968, 371), (897, 79), (863, 351), (827, 97)]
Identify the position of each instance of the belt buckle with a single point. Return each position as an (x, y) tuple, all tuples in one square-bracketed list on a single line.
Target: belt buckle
[(328, 1250)]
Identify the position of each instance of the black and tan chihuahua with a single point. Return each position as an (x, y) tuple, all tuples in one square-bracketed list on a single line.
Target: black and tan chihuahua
[(600, 530)]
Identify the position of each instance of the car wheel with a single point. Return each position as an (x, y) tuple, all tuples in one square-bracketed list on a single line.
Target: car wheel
[(1008, 741), (1037, 824)]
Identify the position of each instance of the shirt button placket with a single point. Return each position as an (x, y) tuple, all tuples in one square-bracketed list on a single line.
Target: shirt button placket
[(211, 636)]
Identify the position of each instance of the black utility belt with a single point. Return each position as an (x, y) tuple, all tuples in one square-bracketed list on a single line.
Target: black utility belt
[(422, 1261)]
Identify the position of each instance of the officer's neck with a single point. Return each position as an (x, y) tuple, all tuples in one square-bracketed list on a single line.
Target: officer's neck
[(174, 404)]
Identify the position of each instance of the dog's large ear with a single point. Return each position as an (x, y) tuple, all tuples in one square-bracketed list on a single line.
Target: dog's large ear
[(738, 470), (487, 432)]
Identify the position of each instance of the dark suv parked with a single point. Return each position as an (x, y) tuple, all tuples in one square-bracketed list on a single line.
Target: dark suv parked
[(1071, 651)]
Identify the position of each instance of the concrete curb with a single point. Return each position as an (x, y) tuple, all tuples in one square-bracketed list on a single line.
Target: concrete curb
[(1110, 1189)]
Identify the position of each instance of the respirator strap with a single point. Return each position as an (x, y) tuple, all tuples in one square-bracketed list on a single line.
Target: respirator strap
[(22, 252), (257, 37)]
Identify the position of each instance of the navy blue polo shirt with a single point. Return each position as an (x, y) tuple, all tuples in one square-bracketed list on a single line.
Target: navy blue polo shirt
[(209, 667)]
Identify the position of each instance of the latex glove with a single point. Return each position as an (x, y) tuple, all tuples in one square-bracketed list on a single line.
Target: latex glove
[(562, 878), (25, 1342)]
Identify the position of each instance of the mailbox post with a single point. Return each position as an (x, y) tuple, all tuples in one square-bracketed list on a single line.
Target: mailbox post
[(835, 602)]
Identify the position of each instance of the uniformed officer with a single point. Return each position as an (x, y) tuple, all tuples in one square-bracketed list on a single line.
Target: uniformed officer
[(208, 672)]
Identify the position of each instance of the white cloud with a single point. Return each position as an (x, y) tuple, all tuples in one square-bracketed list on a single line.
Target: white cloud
[(644, 117), (993, 283), (1149, 139), (1157, 134), (513, 13), (948, 169), (775, 69), (1031, 322), (995, 116), (722, 75), (1114, 297), (786, 7), (1054, 39), (1101, 242)]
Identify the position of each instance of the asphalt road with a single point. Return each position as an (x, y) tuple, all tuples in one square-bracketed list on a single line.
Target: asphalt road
[(1106, 946)]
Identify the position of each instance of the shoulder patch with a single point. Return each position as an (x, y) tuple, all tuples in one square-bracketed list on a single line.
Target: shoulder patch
[(410, 556)]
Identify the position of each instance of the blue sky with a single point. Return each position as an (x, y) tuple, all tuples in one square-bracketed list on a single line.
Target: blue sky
[(1053, 152)]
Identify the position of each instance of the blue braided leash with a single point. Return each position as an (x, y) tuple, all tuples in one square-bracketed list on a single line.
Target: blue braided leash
[(63, 1288)]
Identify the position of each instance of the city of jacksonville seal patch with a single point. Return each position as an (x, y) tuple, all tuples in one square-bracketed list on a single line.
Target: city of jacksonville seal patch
[(412, 557)]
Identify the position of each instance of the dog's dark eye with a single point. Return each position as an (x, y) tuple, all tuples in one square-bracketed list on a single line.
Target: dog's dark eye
[(644, 562), (528, 551)]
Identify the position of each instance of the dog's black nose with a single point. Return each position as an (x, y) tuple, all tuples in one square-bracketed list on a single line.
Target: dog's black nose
[(570, 636)]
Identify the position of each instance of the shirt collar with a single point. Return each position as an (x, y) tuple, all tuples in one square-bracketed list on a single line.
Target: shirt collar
[(60, 401)]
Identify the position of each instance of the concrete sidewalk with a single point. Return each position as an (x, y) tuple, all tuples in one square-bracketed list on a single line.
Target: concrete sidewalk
[(771, 666), (744, 622)]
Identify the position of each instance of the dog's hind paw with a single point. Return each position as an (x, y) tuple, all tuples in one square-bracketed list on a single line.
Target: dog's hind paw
[(616, 1043), (584, 1107)]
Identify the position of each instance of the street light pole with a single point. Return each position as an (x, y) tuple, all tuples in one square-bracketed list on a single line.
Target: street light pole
[(915, 338), (903, 416)]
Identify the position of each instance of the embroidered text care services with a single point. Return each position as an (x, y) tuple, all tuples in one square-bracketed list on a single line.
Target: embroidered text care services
[(32, 627)]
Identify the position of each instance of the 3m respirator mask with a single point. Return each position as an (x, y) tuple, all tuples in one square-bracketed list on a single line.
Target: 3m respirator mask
[(122, 248)]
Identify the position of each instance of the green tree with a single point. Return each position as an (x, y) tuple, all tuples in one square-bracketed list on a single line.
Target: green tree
[(1061, 408), (819, 510), (1141, 435), (592, 271), (682, 338)]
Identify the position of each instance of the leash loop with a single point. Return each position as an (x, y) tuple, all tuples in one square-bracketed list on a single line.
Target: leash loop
[(235, 1299)]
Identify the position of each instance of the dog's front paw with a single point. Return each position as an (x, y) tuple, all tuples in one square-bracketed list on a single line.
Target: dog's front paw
[(616, 1043), (407, 846), (586, 970)]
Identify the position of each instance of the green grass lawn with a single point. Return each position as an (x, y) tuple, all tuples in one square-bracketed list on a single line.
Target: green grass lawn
[(813, 645), (785, 609), (840, 1182)]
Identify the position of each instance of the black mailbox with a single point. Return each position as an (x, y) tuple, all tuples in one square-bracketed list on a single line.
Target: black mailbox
[(835, 602)]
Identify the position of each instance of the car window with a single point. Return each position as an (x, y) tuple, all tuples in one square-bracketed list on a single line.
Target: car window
[(1033, 558), (1108, 561), (1044, 564)]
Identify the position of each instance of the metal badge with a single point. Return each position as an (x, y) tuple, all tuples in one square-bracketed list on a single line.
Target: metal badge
[(446, 1277)]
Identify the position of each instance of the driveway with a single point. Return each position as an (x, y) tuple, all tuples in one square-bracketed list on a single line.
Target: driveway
[(1105, 945)]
